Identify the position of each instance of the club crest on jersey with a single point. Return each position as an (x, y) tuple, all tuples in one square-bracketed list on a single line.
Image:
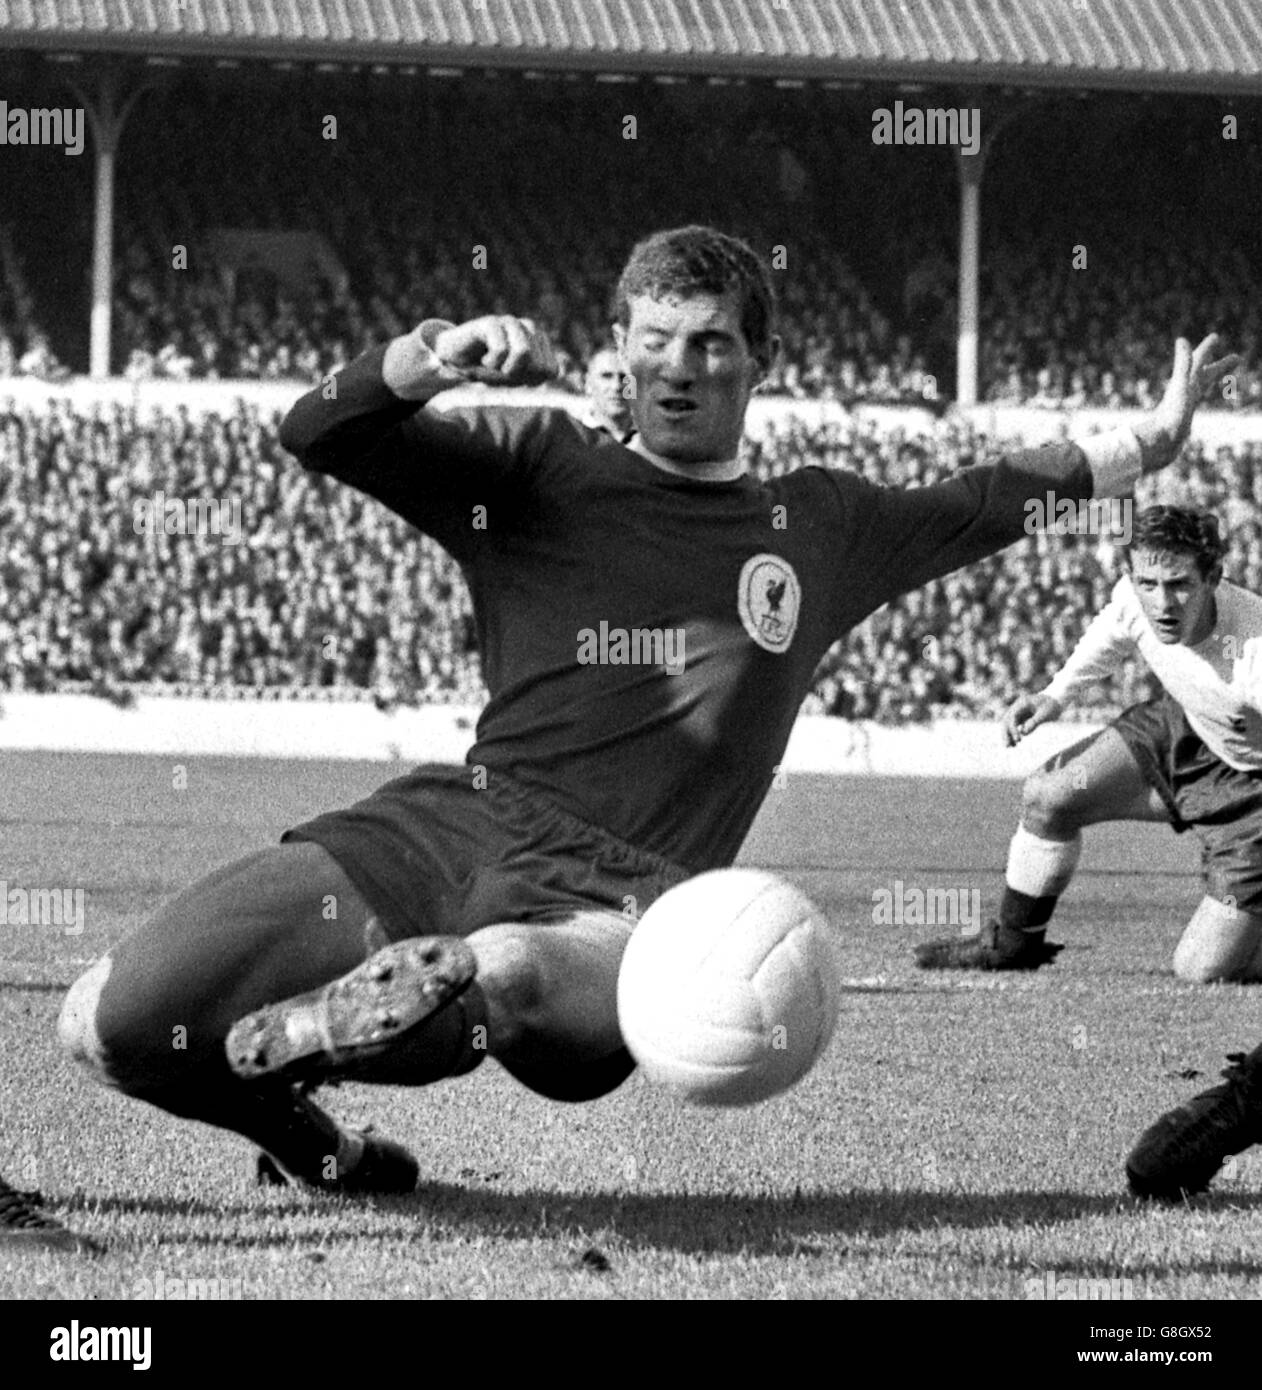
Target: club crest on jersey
[(769, 598)]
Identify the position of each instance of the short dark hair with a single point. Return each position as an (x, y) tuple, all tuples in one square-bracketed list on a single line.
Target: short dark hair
[(700, 260), (1179, 531)]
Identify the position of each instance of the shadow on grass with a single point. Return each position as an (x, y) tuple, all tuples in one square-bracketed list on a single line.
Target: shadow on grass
[(1173, 1268), (777, 1225), (801, 1225), (300, 1204)]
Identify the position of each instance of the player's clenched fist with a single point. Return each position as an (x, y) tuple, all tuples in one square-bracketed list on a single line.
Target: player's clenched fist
[(499, 349), (1025, 714)]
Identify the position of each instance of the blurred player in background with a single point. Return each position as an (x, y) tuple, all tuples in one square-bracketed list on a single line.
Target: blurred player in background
[(1191, 758), (485, 909), (608, 408)]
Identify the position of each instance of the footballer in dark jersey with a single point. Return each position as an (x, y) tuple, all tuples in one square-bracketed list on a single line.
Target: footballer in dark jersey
[(650, 617)]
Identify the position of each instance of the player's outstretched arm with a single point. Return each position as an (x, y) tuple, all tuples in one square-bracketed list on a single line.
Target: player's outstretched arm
[(1100, 654), (1195, 374), (909, 536)]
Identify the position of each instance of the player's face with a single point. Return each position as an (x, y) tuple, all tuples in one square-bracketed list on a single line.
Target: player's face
[(693, 374), (1177, 599), (604, 389)]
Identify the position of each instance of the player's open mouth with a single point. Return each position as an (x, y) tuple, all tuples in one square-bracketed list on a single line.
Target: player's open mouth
[(677, 405)]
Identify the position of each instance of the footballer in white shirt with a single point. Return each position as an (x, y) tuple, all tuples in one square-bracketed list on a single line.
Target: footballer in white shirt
[(1191, 758)]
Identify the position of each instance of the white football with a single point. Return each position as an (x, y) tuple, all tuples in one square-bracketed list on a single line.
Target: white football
[(730, 987)]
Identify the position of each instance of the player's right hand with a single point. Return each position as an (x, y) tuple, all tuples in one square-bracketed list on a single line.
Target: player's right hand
[(498, 349), (1025, 714)]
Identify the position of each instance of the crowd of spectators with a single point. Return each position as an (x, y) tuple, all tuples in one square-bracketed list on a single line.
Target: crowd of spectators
[(1058, 338), (24, 346), (462, 198), (315, 589), (455, 199)]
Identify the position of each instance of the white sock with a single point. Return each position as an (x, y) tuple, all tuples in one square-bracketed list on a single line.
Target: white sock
[(1041, 868)]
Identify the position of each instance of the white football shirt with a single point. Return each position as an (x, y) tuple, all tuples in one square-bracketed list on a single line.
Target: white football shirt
[(1218, 682)]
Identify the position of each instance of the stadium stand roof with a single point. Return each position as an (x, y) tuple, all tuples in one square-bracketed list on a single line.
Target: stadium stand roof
[(1190, 45)]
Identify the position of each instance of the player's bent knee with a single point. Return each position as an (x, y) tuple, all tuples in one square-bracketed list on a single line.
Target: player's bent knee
[(1196, 969), (1197, 966), (114, 1046), (511, 972), (77, 1026), (1219, 946), (1047, 803), (551, 987)]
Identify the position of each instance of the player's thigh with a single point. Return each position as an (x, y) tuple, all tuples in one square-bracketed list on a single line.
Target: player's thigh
[(265, 927), (1096, 779), (552, 987)]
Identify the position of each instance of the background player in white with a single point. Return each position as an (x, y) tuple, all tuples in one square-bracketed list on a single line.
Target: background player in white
[(1192, 757)]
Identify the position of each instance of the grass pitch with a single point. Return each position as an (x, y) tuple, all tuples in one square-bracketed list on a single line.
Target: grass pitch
[(963, 1136)]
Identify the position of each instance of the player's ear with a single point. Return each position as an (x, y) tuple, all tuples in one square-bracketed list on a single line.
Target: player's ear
[(620, 345), (768, 359)]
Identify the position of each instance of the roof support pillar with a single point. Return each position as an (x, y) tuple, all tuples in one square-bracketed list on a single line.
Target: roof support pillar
[(970, 169), (107, 109)]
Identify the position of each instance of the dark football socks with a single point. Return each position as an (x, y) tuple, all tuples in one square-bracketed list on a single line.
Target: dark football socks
[(1038, 872), (301, 1136), (1022, 913)]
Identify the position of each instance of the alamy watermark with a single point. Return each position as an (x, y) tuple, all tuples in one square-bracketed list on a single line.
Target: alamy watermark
[(1053, 1288), (176, 1288), (77, 1341), (901, 906), (637, 646), (24, 125), (1072, 516), (42, 907), (161, 515), (960, 126)]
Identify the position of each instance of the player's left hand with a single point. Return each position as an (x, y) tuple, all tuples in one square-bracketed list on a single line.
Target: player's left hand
[(1194, 376)]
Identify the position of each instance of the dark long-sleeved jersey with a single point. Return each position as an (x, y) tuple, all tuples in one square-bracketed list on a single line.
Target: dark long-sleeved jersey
[(647, 639)]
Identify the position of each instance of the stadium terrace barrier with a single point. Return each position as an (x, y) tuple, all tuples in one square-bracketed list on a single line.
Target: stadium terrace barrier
[(1028, 423), (201, 397), (358, 729)]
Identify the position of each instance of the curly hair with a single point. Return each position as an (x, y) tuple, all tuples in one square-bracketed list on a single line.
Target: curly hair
[(700, 260), (1179, 531)]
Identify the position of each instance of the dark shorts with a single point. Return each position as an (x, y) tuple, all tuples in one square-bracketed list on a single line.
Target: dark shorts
[(435, 855), (1202, 793)]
